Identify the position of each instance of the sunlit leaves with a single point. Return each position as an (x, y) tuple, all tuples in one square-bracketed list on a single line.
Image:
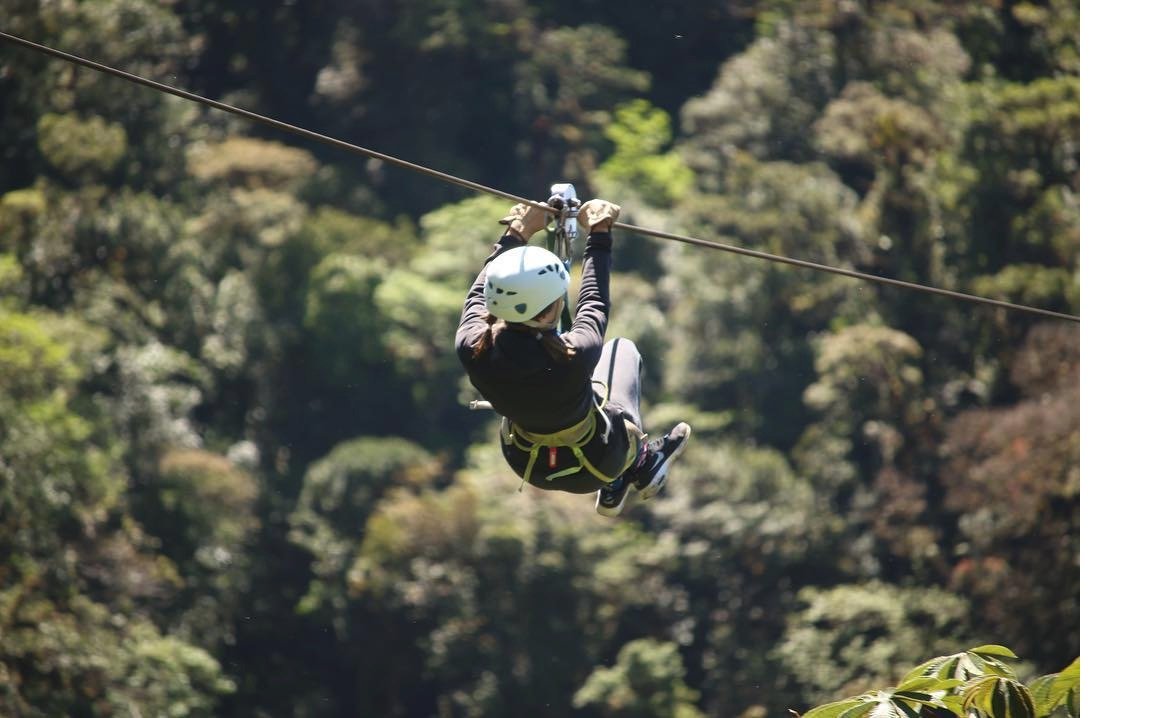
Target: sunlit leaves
[(249, 162), (998, 697), (210, 499), (866, 372), (851, 637), (59, 468), (11, 281), (973, 663), (748, 498), (641, 133), (647, 681), (1025, 140), (878, 704), (465, 229), (761, 105), (411, 528), (416, 312), (1056, 31), (341, 312), (90, 658), (159, 388), (81, 149), (19, 210), (743, 348), (1057, 690), (235, 321), (61, 482), (1032, 285), (341, 490), (972, 684), (862, 125), (270, 217), (565, 91)]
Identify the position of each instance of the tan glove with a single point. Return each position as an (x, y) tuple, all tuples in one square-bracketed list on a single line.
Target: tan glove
[(526, 220), (598, 215)]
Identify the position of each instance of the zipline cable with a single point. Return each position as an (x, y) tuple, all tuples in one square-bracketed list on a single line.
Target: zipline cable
[(325, 139), (844, 272)]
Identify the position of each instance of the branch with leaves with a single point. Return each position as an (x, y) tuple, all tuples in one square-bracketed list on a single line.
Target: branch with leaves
[(974, 684)]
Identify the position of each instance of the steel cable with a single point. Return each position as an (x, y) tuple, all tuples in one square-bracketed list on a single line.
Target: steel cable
[(325, 139)]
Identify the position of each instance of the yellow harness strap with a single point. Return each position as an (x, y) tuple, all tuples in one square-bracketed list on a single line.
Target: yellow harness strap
[(574, 437)]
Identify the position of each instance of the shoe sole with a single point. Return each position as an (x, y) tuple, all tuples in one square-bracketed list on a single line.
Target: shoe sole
[(614, 511), (657, 484)]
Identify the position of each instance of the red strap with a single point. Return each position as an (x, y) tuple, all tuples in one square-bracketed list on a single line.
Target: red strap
[(551, 457)]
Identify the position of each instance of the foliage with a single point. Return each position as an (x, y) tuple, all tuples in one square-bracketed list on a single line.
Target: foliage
[(973, 684), (207, 504), (82, 659), (80, 149), (250, 162), (851, 636), (647, 680), (60, 468), (236, 475), (640, 132)]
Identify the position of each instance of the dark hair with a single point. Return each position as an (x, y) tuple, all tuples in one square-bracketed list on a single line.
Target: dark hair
[(557, 346), (489, 336)]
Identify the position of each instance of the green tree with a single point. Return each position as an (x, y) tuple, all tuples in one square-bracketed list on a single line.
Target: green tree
[(739, 344), (61, 467), (75, 657), (845, 638), (647, 680), (1011, 472), (68, 541), (639, 165), (51, 104), (566, 90)]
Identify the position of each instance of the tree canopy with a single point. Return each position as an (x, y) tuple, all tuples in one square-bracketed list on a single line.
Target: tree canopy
[(238, 475)]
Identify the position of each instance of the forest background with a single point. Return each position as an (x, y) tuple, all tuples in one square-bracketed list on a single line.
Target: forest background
[(238, 476)]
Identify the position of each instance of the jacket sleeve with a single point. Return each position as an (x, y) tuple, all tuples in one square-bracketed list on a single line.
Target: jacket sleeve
[(473, 322), (593, 302)]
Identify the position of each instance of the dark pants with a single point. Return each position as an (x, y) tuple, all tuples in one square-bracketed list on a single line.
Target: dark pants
[(617, 374)]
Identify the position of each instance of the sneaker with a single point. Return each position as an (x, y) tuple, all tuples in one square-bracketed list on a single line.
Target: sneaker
[(611, 498), (651, 473)]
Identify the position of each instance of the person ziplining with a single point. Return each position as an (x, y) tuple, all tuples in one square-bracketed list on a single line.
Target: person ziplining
[(567, 394), (570, 402)]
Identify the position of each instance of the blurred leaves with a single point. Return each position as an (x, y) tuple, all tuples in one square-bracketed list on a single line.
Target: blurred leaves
[(81, 149), (641, 133), (647, 681), (848, 638), (251, 163), (110, 663)]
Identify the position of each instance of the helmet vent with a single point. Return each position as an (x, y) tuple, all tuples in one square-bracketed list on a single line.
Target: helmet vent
[(524, 281)]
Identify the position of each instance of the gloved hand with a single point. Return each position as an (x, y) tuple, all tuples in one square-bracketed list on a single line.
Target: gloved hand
[(526, 220), (597, 215)]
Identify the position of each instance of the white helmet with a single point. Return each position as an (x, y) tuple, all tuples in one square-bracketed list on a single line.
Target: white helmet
[(522, 282)]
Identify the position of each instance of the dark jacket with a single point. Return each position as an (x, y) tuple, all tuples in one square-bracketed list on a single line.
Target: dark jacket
[(533, 390)]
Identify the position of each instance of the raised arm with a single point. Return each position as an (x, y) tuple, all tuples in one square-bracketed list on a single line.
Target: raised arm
[(593, 302)]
